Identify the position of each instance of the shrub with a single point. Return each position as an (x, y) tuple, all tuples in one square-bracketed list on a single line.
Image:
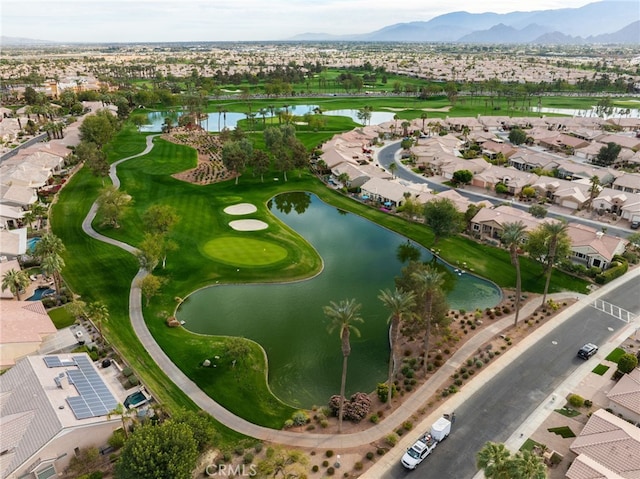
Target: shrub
[(329, 453), (288, 424), (116, 440), (324, 423), (382, 391), (370, 455), (380, 451), (330, 471), (588, 403), (479, 364), (315, 468), (248, 458), (576, 400), (391, 439), (627, 363), (407, 425), (127, 371), (374, 419), (131, 382), (358, 466), (300, 418)]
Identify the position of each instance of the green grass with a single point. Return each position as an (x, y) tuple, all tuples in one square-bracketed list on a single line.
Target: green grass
[(61, 317), (615, 355), (600, 369), (98, 271), (238, 251), (567, 411), (529, 444), (564, 431)]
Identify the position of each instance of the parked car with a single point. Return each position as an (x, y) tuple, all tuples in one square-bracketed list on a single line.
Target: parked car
[(635, 225), (587, 351)]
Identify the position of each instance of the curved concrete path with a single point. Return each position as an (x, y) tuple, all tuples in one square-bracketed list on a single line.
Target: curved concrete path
[(310, 440)]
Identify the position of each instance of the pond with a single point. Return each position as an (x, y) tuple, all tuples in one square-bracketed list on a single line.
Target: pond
[(218, 121), (360, 259)]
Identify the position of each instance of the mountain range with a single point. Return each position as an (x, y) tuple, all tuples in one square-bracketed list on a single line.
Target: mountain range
[(608, 21)]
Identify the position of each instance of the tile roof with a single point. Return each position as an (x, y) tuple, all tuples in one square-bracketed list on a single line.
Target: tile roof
[(609, 445), (626, 392)]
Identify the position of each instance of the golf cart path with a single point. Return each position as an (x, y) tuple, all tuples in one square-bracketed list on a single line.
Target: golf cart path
[(308, 440)]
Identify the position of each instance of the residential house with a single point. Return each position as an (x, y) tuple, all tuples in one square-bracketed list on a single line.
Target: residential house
[(359, 174), (625, 124), (563, 143), (13, 243), (16, 195), (607, 448), (629, 183), (388, 193), (624, 396), (52, 407), (592, 247), (492, 149), (613, 201), (460, 202), (630, 142), (568, 194), (527, 160), (571, 170), (24, 325), (447, 166), (489, 222), (10, 216), (512, 178)]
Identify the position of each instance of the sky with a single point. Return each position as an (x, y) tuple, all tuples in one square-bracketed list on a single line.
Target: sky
[(97, 21)]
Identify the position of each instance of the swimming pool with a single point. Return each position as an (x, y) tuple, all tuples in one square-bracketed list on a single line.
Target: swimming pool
[(136, 399), (41, 293), (31, 243)]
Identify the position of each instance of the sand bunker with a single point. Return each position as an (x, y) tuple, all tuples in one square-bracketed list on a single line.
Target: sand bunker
[(240, 209), (248, 225)]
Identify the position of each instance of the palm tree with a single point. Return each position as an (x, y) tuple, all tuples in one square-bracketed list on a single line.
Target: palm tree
[(342, 316), (493, 459), (52, 265), (49, 244), (554, 233), (512, 235), (395, 119), (400, 304), (15, 281), (526, 465), (430, 280), (594, 190), (98, 313), (392, 168)]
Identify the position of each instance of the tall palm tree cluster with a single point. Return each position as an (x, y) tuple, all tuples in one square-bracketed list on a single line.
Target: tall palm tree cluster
[(421, 304)]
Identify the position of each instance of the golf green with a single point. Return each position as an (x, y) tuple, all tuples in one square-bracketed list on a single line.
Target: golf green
[(240, 251)]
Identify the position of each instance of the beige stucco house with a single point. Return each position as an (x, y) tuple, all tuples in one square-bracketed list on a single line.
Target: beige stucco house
[(51, 410)]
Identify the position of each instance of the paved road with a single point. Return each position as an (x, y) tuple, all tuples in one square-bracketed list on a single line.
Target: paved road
[(285, 437), (389, 154), (495, 411)]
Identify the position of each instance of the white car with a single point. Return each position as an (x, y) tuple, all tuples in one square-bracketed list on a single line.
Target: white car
[(417, 453)]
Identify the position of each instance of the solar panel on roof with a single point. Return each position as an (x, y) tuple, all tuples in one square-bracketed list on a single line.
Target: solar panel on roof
[(95, 399), (52, 361)]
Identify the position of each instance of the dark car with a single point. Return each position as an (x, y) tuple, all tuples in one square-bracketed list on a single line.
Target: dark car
[(635, 225), (587, 351)]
